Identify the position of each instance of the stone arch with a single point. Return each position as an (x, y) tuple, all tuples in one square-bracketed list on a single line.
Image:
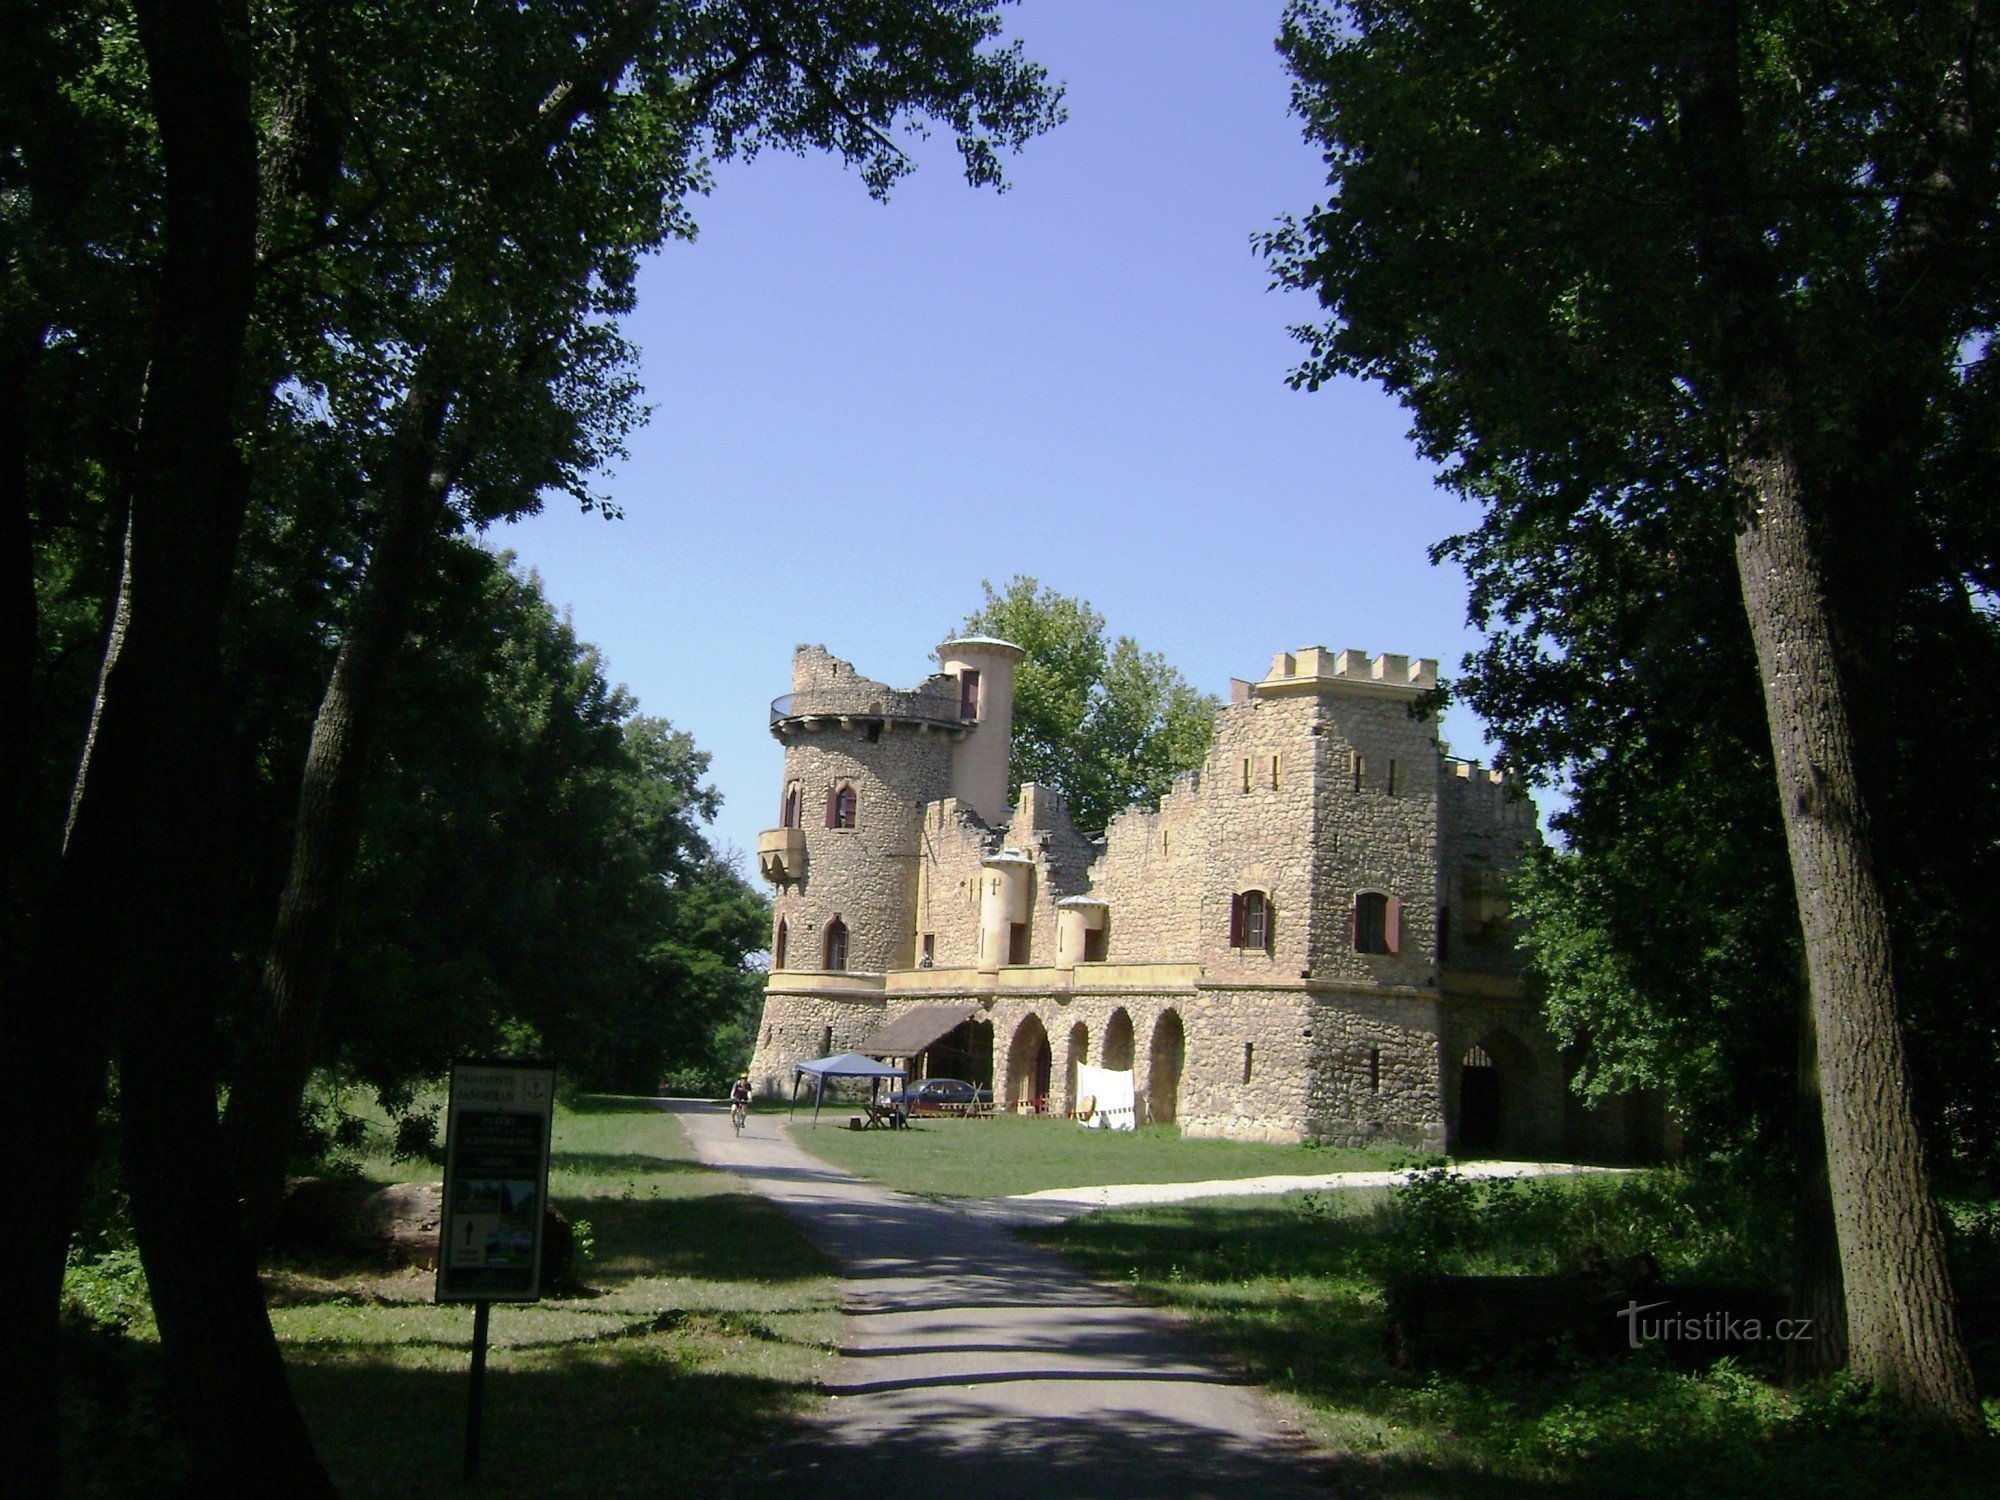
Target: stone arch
[(1074, 1055), (1163, 1077), (1029, 1062), (1118, 1040), (1490, 1096)]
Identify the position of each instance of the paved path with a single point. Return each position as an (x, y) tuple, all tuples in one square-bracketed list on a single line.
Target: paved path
[(977, 1366), (1129, 1194)]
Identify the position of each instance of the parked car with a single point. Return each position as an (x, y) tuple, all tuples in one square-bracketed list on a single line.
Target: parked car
[(939, 1096)]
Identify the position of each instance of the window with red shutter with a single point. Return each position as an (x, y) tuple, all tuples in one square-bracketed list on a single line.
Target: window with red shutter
[(1392, 926), (778, 946), (1236, 921)]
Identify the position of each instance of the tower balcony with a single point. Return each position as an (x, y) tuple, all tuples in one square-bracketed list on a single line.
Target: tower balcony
[(843, 708), (781, 854)]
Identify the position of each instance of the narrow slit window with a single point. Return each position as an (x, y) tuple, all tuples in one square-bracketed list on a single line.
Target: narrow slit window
[(1274, 773), (779, 944), (1374, 1070), (1246, 773), (1392, 778), (1357, 770), (1249, 1059), (826, 1041)]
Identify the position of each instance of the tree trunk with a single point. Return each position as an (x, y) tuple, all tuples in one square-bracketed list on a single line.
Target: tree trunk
[(275, 1067), (1818, 1297), (128, 955), (1902, 1324)]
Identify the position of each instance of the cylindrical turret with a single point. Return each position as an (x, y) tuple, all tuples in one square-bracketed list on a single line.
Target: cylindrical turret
[(1077, 918), (861, 759), (1006, 894), (984, 669)]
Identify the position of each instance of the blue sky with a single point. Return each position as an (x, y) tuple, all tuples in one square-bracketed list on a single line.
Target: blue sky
[(861, 410)]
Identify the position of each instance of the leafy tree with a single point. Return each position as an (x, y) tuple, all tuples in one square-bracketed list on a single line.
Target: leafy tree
[(1686, 295), (1107, 726), (332, 282), (533, 872)]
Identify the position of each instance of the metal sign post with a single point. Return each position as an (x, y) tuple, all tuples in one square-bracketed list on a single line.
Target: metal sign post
[(496, 1182)]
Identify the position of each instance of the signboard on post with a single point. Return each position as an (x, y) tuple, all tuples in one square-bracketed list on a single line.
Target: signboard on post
[(496, 1180)]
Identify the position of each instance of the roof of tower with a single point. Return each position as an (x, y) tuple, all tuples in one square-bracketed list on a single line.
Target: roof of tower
[(990, 642)]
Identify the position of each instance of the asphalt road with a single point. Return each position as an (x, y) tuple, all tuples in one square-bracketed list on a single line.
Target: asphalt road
[(974, 1365)]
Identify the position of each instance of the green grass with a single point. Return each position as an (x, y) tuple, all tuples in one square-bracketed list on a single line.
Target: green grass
[(1009, 1154), (1291, 1289), (706, 1320)]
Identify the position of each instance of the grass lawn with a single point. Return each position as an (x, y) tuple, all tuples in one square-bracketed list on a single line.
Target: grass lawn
[(706, 1321), (1008, 1154), (1291, 1289)]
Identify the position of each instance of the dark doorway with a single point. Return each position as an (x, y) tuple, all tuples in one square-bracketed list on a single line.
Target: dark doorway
[(966, 1052), (1479, 1104)]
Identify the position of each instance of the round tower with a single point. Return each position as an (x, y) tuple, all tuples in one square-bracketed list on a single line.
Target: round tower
[(861, 760), (983, 668)]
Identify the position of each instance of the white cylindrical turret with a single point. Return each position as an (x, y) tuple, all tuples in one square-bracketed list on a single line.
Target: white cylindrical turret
[(984, 668), (1076, 918), (1006, 891)]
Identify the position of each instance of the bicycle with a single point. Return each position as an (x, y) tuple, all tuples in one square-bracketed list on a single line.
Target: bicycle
[(737, 1111)]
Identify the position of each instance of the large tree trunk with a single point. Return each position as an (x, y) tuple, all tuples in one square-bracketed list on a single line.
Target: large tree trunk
[(129, 952), (1818, 1298), (272, 1074), (1902, 1323)]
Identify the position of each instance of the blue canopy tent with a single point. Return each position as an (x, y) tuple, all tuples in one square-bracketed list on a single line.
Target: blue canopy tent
[(843, 1065)]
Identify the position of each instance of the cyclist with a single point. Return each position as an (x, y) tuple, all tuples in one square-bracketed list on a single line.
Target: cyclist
[(739, 1102)]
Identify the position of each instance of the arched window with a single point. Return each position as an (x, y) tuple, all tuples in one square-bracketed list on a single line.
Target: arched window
[(1378, 923), (836, 944), (779, 944), (1250, 924), (790, 817), (841, 804)]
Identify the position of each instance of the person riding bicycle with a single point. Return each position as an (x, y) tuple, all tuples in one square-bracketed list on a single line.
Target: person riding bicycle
[(739, 1102)]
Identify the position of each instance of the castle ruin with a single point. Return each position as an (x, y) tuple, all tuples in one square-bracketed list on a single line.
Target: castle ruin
[(1309, 939)]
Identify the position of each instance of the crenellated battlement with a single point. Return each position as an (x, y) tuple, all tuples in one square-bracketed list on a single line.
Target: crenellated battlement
[(1316, 669), (1491, 790)]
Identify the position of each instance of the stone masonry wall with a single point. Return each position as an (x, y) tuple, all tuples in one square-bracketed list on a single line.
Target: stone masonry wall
[(1487, 832), (1381, 837), (865, 875), (954, 841), (1258, 792), (1375, 1071), (1149, 872), (795, 1028)]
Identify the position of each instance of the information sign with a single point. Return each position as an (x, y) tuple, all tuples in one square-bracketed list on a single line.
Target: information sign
[(496, 1179)]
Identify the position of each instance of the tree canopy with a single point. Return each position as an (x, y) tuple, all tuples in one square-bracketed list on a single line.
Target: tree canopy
[(1698, 303), (1106, 724)]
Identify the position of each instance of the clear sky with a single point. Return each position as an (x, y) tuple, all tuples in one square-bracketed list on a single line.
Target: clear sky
[(861, 410)]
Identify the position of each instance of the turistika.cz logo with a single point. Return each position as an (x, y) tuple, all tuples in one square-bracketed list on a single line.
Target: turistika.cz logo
[(1714, 1327)]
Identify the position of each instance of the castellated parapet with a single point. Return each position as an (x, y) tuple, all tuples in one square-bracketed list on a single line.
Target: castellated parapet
[(1309, 938)]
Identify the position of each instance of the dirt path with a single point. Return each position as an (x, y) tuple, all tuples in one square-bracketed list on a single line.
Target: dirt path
[(975, 1365)]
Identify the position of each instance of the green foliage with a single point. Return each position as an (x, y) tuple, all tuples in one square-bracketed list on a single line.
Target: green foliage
[(1518, 263), (1292, 1289), (107, 1291), (533, 875), (1107, 725)]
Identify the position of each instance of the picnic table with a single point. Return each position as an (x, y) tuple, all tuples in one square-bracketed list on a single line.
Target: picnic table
[(885, 1116)]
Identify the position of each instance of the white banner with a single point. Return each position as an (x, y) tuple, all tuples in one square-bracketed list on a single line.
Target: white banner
[(1114, 1106)]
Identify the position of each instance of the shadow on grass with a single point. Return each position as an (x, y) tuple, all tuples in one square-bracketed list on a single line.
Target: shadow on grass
[(1295, 1299), (713, 1237), (602, 1423)]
